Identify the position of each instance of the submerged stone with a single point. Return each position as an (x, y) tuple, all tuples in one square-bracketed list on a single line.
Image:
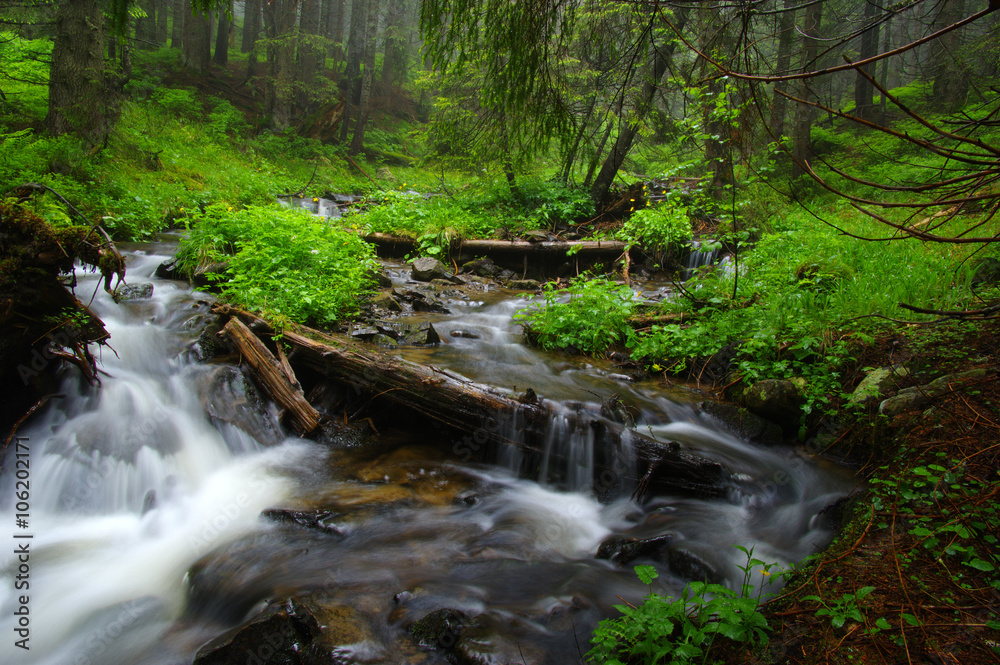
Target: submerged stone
[(134, 292)]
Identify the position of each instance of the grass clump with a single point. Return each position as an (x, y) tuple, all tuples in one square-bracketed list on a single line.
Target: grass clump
[(282, 262)]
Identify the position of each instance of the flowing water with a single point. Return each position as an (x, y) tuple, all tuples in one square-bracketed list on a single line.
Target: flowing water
[(152, 525)]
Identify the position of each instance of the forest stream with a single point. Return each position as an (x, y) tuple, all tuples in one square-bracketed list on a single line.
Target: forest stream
[(167, 504)]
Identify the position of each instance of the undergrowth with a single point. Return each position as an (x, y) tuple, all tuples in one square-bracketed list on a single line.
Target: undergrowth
[(282, 262), (684, 629)]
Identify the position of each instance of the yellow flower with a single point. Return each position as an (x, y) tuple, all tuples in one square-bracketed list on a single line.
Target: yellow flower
[(765, 572), (315, 200)]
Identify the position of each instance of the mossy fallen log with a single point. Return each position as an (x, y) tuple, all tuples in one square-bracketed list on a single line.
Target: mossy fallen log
[(483, 419)]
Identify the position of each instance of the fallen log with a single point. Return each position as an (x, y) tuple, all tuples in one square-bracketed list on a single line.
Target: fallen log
[(280, 385), (643, 322), (486, 418)]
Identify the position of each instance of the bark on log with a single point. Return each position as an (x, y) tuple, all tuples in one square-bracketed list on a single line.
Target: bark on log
[(268, 372), (481, 412), (640, 322)]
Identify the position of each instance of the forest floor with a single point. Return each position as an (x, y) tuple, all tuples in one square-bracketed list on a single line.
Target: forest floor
[(914, 575)]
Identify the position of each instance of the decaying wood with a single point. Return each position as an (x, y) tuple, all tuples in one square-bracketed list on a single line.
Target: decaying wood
[(644, 322), (497, 249), (486, 415), (267, 371)]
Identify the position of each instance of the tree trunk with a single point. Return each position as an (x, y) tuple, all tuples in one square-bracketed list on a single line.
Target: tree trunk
[(274, 376), (181, 11), (332, 26), (786, 37), (197, 52), (364, 103), (951, 74), (163, 8), (863, 89), (355, 51), (338, 30), (805, 114), (78, 94), (718, 128), (394, 56), (145, 27), (310, 55), (279, 22), (251, 25), (615, 159), (222, 39)]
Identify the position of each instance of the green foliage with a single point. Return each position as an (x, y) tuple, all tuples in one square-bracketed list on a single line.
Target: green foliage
[(682, 630), (548, 204), (589, 317), (226, 121), (926, 497), (178, 102), (661, 230), (24, 77), (283, 262), (846, 607)]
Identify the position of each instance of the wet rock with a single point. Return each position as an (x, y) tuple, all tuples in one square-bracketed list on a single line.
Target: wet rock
[(877, 385), (919, 396), (134, 292), (440, 629), (481, 268), (353, 496), (524, 285), (386, 301), (623, 550), (464, 334), (491, 640), (420, 334), (274, 637), (169, 270), (664, 550), (210, 343), (340, 626), (209, 276), (364, 332), (429, 306), (744, 424), (323, 521), (149, 501), (227, 396), (383, 340), (690, 566), (778, 400), (381, 278), (505, 275), (426, 268)]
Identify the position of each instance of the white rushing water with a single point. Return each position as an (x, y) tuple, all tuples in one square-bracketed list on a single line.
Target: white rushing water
[(106, 576), (146, 493)]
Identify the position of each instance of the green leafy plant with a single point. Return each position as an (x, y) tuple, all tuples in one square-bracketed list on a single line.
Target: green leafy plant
[(283, 262), (847, 607), (661, 230), (682, 630), (589, 317)]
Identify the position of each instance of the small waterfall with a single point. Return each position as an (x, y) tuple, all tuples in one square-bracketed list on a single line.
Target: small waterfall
[(699, 258)]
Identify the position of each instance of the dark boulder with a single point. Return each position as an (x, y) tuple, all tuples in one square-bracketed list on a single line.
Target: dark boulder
[(426, 268), (744, 424)]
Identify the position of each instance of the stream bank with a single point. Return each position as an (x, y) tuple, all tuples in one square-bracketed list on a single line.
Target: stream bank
[(221, 536)]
